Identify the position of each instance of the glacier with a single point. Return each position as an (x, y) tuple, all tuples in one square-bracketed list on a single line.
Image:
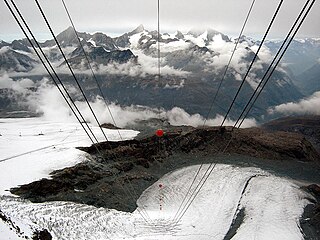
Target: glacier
[(271, 205)]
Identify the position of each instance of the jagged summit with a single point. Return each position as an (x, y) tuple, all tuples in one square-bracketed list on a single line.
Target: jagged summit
[(139, 29), (69, 32), (190, 62), (179, 35), (210, 33)]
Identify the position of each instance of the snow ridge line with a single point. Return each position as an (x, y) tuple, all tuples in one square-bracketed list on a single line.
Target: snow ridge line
[(238, 210)]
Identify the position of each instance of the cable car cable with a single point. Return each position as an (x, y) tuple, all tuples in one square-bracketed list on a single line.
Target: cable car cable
[(69, 66), (227, 67), (48, 62), (266, 81), (253, 60), (90, 67)]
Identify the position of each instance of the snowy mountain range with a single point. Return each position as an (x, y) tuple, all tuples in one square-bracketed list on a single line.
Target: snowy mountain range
[(192, 65), (244, 197)]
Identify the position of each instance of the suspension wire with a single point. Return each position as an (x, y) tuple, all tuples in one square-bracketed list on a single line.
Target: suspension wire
[(139, 211), (214, 99), (158, 51), (188, 191), (284, 51), (253, 60), (212, 165), (69, 66), (144, 214), (48, 62), (227, 67), (271, 64), (90, 66), (196, 191)]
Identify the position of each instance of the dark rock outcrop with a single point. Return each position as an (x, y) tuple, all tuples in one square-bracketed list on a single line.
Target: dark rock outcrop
[(310, 220), (41, 235)]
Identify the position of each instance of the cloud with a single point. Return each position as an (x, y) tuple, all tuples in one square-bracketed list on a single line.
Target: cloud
[(309, 105), (47, 101), (149, 65), (146, 65), (178, 116), (19, 86)]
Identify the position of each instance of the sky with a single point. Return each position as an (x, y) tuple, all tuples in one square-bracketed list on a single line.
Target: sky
[(116, 17)]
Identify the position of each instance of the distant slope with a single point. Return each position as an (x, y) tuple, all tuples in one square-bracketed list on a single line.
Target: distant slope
[(309, 80), (309, 126)]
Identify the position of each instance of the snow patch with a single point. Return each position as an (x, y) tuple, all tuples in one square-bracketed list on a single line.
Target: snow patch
[(180, 85), (92, 42), (5, 49)]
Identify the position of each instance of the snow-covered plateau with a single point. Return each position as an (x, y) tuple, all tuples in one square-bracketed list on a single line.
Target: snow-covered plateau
[(234, 203)]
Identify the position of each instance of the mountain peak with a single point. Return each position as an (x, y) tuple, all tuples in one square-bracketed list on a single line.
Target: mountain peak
[(210, 33), (179, 35), (139, 29), (196, 32), (68, 31), (67, 34)]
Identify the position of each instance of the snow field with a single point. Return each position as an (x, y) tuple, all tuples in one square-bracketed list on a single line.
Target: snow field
[(31, 148), (272, 205)]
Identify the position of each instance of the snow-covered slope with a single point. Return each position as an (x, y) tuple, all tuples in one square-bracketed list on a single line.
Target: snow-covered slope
[(272, 207), (32, 148)]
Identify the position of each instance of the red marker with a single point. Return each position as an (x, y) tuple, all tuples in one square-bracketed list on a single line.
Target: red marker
[(159, 132), (160, 196)]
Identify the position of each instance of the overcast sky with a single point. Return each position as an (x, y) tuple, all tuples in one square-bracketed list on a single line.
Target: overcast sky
[(115, 17)]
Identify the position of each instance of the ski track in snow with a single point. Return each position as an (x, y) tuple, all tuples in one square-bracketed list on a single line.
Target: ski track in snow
[(273, 205)]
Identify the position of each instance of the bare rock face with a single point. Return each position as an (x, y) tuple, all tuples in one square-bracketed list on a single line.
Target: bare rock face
[(253, 142), (308, 126), (109, 126), (42, 235), (310, 220)]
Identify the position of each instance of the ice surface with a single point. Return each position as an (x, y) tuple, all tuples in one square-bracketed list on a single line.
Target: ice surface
[(272, 205)]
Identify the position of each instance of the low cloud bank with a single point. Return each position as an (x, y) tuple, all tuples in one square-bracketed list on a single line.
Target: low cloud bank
[(47, 101), (19, 86), (310, 105)]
